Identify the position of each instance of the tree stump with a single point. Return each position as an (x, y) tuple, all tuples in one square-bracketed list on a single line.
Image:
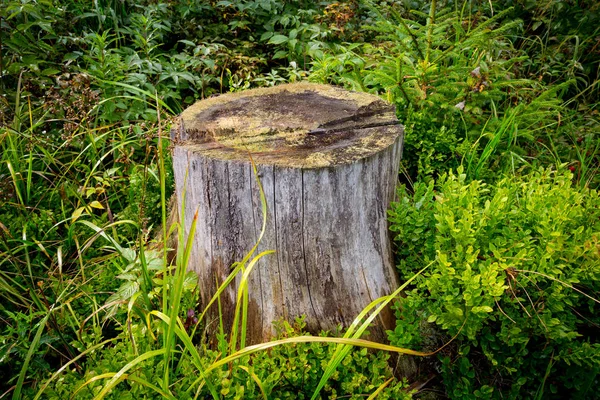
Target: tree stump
[(328, 161)]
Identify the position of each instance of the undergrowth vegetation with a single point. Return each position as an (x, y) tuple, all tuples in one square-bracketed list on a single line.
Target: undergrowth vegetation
[(513, 265), (497, 223)]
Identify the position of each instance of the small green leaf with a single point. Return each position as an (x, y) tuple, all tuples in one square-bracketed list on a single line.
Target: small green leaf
[(278, 39), (50, 71), (280, 54), (129, 254), (97, 204), (481, 309), (188, 42), (77, 213), (265, 36)]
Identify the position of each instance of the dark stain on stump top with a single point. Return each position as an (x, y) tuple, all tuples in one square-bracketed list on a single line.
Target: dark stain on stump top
[(301, 125)]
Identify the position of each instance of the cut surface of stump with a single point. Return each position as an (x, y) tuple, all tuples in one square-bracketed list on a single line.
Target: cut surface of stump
[(327, 160)]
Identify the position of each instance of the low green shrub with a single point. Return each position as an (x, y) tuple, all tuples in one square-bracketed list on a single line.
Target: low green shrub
[(290, 371), (293, 371), (515, 272)]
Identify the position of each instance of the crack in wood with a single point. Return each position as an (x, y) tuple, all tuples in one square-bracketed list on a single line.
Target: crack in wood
[(324, 131), (361, 115)]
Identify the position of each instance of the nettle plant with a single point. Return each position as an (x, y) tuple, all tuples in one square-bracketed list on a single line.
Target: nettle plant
[(514, 271)]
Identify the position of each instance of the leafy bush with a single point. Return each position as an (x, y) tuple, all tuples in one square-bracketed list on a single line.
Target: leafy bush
[(290, 371), (294, 371), (445, 72), (514, 272)]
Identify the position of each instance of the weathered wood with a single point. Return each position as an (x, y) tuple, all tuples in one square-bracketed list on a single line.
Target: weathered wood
[(327, 160)]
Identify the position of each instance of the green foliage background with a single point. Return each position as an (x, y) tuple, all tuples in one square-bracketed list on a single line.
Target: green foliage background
[(499, 102)]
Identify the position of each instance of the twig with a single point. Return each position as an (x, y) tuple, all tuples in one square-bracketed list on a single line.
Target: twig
[(532, 304), (502, 311), (561, 282)]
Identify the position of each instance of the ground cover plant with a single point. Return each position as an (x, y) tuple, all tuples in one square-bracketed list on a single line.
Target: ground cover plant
[(514, 266), (496, 225)]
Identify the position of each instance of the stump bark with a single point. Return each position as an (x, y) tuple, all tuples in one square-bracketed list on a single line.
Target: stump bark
[(328, 161)]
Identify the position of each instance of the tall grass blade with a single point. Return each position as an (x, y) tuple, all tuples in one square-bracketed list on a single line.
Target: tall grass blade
[(539, 395), (84, 353), (101, 232), (350, 342), (176, 294), (373, 395), (256, 379), (119, 376), (32, 349), (16, 182), (164, 394), (342, 351), (242, 301), (180, 331)]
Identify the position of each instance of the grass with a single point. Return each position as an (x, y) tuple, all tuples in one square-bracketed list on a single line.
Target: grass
[(85, 177)]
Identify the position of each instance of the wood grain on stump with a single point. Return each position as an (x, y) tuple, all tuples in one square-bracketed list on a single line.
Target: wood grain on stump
[(328, 161)]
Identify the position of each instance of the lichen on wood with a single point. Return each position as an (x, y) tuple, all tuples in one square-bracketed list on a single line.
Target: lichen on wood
[(298, 125)]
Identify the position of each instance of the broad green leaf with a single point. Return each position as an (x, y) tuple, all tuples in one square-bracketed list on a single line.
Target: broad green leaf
[(482, 309), (96, 204), (278, 39), (77, 213)]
